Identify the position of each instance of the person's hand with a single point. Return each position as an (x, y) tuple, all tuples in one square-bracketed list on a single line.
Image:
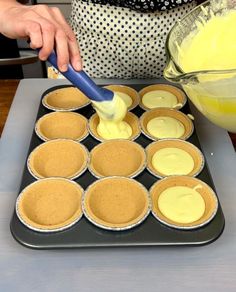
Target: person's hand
[(45, 27)]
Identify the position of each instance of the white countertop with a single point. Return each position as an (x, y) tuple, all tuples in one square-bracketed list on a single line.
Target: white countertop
[(211, 267)]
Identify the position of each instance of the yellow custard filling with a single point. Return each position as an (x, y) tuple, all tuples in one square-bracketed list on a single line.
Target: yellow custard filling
[(212, 47), (111, 115), (173, 161), (181, 204), (165, 127), (126, 98), (110, 130), (159, 98)]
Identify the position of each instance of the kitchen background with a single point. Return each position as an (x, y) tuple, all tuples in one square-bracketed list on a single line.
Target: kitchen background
[(32, 67)]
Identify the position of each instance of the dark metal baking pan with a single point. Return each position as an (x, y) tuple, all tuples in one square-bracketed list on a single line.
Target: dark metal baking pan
[(84, 234)]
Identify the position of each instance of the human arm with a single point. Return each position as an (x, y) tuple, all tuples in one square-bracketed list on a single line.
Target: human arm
[(46, 28)]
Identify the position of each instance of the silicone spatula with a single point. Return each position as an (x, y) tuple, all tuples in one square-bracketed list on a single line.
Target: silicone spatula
[(85, 84)]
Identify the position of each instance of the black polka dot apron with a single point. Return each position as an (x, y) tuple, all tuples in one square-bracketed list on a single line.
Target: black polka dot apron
[(117, 42)]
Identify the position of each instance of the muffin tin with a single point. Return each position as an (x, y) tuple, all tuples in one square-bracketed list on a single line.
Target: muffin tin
[(64, 125), (84, 233)]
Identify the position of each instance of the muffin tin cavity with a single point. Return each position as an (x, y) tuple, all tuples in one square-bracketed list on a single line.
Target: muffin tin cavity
[(166, 123), (117, 158), (65, 99), (58, 158), (116, 203), (67, 125), (50, 205), (183, 202), (174, 157), (162, 95)]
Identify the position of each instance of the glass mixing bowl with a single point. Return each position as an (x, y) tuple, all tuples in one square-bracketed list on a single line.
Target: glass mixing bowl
[(213, 92)]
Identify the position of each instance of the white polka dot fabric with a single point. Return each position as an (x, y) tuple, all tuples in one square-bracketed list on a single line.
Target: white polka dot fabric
[(142, 5), (117, 42)]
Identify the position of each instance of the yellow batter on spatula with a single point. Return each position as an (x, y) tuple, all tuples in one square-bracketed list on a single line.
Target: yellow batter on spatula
[(111, 115)]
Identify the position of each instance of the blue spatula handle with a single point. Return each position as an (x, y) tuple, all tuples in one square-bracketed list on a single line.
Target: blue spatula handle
[(81, 80)]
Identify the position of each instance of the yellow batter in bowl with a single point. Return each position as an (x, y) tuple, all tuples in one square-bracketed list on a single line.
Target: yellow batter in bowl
[(203, 60)]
